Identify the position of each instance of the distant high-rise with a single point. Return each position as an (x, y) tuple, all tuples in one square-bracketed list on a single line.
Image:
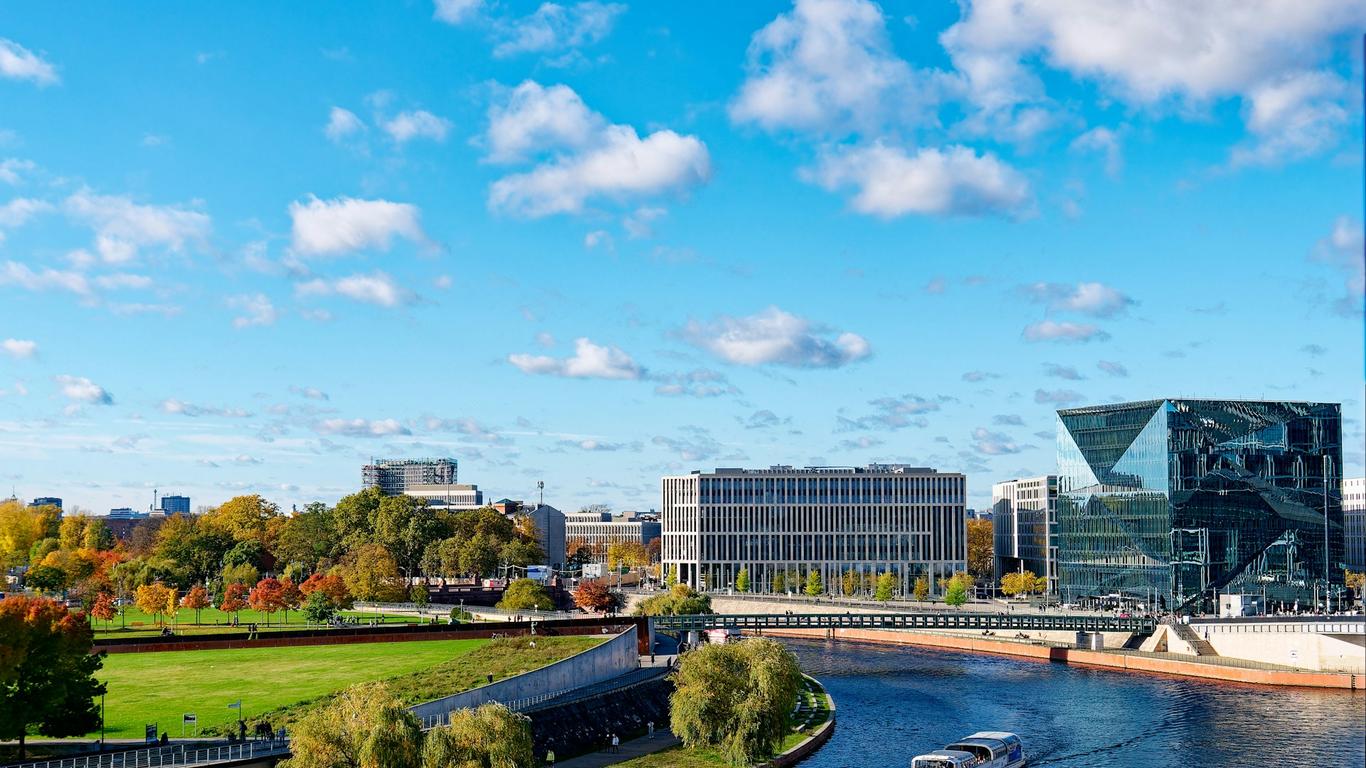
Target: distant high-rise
[(1354, 522), (393, 477), (47, 501), (1024, 524), (549, 532), (175, 505)]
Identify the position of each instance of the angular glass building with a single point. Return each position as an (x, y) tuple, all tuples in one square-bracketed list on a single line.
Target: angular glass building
[(1172, 501)]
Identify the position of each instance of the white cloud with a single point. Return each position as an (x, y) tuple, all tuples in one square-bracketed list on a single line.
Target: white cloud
[(776, 337), (122, 226), (362, 427), (993, 443), (19, 211), (79, 389), (584, 157), (951, 181), (1095, 299), (598, 237), (19, 63), (181, 408), (826, 66), (1343, 249), (345, 224), (1165, 53), (375, 288), (419, 124), (342, 124), (117, 281), (20, 349), (639, 223), (10, 169), (555, 27), (1062, 372), (1048, 330), (312, 393), (14, 273), (589, 361), (457, 11), (894, 413), (1058, 396), (1105, 142), (256, 309), (1113, 368)]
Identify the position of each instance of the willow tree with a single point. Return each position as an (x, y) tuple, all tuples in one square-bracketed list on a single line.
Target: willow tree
[(737, 698), (491, 736), (365, 726)]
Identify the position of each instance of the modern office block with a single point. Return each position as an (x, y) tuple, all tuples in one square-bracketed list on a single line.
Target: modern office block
[(1170, 501), (393, 477), (909, 521), (46, 501), (599, 530), (1024, 527), (1354, 523), (452, 496), (175, 505), (549, 532)]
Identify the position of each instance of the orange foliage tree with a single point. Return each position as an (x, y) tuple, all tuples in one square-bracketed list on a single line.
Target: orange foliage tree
[(104, 608), (593, 595), (330, 585), (197, 599), (268, 596), (233, 598)]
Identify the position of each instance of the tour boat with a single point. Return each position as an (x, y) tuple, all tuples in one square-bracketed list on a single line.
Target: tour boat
[(984, 749)]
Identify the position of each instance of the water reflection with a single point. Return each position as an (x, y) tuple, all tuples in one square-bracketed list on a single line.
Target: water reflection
[(895, 702)]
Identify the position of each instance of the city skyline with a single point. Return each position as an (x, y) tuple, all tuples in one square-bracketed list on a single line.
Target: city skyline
[(593, 245)]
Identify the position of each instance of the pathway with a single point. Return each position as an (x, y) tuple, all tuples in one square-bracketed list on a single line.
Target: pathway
[(629, 750)]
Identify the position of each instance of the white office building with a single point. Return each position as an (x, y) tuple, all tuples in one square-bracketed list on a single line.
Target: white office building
[(881, 518), (1024, 525), (455, 496), (599, 530), (1354, 522), (393, 477)]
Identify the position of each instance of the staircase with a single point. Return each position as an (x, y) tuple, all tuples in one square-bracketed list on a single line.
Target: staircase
[(1200, 645)]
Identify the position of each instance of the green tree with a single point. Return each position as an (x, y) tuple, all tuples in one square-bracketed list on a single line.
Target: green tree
[(98, 536), (249, 552), (46, 579), (521, 552), (244, 573), (815, 586), (921, 590), (318, 608), (479, 555), (680, 600), (371, 574), (353, 519), (886, 587), (742, 580), (957, 592), (405, 526), (47, 672), (308, 537), (779, 583), (362, 727), (419, 595), (736, 697), (525, 595), (490, 736), (671, 576), (849, 583)]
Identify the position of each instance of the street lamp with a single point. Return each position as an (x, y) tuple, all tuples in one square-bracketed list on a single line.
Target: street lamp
[(101, 721)]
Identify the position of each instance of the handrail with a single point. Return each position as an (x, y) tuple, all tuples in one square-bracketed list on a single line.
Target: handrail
[(175, 754), (974, 621)]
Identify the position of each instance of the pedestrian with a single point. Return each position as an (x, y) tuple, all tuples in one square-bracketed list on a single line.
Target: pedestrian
[(650, 729), (616, 743), (652, 657), (550, 758), (241, 730), (164, 739)]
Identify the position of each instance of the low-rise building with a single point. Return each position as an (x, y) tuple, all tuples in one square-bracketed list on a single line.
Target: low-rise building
[(442, 496), (599, 530)]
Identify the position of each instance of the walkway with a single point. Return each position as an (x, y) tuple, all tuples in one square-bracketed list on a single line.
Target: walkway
[(942, 621), (629, 750)]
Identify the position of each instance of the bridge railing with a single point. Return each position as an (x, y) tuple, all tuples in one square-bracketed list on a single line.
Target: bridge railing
[(177, 754), (940, 621)]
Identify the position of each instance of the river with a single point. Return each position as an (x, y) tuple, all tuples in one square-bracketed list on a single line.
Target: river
[(894, 702)]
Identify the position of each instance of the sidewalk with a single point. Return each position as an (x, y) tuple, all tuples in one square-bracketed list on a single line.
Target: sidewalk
[(631, 749)]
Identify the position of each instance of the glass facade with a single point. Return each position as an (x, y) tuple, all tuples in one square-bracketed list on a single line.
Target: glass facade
[(1170, 501)]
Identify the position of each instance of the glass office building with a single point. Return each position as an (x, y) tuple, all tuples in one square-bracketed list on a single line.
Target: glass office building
[(1173, 501)]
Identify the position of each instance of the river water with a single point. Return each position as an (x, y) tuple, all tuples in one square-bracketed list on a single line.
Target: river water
[(894, 702)]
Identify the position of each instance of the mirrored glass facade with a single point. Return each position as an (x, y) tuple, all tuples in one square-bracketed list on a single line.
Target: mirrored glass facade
[(1170, 501)]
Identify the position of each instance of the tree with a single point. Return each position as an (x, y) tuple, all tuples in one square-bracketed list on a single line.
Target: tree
[(318, 609), (290, 596), (489, 736), (46, 578), (47, 672), (71, 531), (21, 527), (197, 599), (921, 589), (980, 549), (233, 598), (736, 697), (404, 525), (627, 554), (243, 518), (308, 536), (1355, 581), (98, 536), (957, 592), (371, 574), (594, 595), (815, 587), (742, 580), (365, 726), (526, 594), (419, 595), (104, 608), (850, 582), (671, 576), (654, 549), (244, 573), (680, 600), (267, 597), (886, 587), (156, 599), (779, 582), (332, 587)]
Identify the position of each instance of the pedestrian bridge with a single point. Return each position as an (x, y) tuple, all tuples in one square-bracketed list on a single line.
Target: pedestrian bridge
[(942, 621)]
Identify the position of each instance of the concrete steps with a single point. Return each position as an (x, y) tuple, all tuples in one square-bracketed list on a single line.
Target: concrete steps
[(1193, 639)]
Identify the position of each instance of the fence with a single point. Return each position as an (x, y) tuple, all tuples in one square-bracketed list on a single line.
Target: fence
[(179, 754)]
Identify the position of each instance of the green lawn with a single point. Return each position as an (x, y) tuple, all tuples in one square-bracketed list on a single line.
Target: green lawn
[(135, 623), (160, 687)]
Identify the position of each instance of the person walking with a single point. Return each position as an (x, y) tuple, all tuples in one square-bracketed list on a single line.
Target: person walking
[(550, 758), (616, 743), (650, 729)]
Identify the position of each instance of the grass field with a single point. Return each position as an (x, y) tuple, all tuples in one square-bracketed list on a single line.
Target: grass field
[(281, 683), (135, 623)]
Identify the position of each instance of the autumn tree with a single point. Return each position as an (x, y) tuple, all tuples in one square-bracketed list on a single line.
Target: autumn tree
[(627, 554), (850, 582), (197, 599), (921, 590), (680, 600), (742, 580), (267, 597), (1022, 583), (242, 517), (371, 574), (488, 736), (594, 595), (779, 582), (157, 600), (886, 587), (524, 595), (21, 527), (47, 671), (104, 608), (234, 598), (330, 585), (815, 586), (737, 698), (981, 554), (291, 597), (362, 727)]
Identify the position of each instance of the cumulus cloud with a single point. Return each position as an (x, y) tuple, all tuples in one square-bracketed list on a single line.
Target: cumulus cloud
[(1343, 249), (19, 63), (457, 11), (554, 27), (1113, 368), (1062, 372), (589, 361), (312, 393), (976, 376), (1048, 330), (1095, 299), (122, 227), (346, 224), (79, 389), (376, 288), (775, 337), (256, 309), (11, 169), (894, 413), (1105, 142), (19, 211), (19, 349), (342, 124), (362, 427), (991, 443), (583, 157), (22, 276), (181, 408), (953, 181), (1057, 396), (418, 124)]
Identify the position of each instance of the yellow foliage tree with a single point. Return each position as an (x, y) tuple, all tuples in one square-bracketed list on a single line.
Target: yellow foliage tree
[(156, 599)]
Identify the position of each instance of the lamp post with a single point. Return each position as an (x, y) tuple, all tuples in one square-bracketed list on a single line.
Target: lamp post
[(101, 721)]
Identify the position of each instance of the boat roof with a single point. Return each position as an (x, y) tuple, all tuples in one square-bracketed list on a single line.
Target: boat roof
[(998, 735), (957, 755)]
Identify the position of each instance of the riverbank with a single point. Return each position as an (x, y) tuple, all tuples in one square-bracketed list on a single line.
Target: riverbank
[(1127, 661)]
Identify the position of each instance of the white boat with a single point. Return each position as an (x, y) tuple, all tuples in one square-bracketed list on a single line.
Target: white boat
[(984, 749)]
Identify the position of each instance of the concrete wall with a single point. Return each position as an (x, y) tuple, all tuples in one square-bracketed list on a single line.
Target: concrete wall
[(1289, 645), (611, 659)]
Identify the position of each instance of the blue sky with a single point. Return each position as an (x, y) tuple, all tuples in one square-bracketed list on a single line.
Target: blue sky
[(248, 246)]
